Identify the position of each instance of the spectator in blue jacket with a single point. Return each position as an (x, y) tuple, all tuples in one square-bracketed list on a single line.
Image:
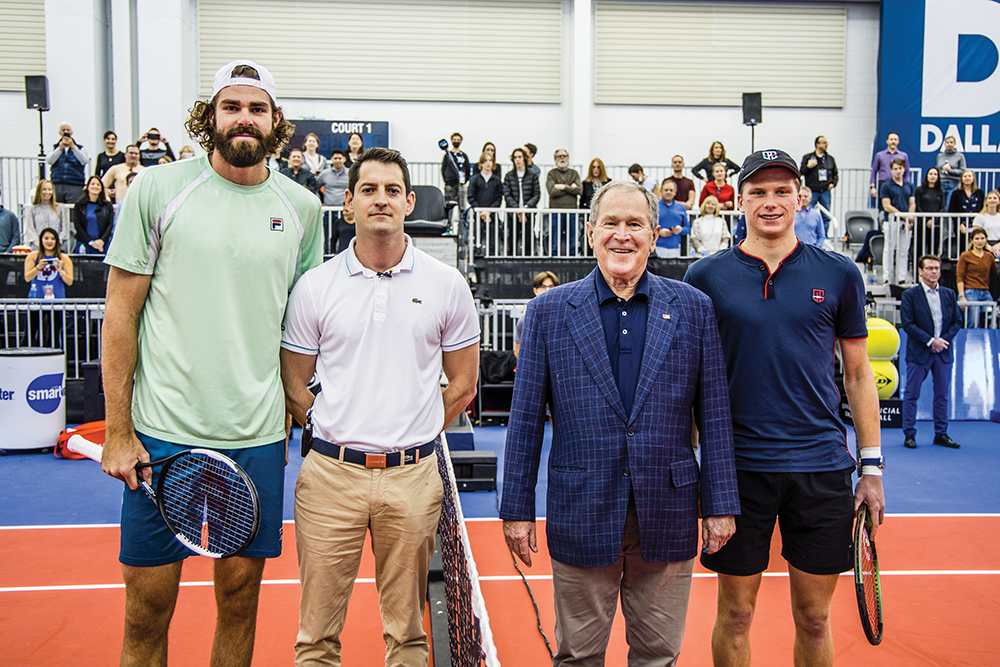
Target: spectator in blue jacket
[(68, 163), (809, 225), (674, 221)]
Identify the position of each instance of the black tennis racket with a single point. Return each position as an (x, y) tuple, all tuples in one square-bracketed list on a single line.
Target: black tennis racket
[(867, 583), (205, 498)]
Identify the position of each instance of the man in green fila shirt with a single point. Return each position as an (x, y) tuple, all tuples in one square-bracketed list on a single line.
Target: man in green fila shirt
[(204, 255)]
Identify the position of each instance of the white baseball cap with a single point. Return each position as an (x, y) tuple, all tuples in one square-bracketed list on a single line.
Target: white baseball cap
[(224, 78)]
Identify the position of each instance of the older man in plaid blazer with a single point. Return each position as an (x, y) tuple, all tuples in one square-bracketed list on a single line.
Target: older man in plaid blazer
[(627, 360)]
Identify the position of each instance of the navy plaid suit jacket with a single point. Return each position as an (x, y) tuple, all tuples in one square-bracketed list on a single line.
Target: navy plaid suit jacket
[(598, 452)]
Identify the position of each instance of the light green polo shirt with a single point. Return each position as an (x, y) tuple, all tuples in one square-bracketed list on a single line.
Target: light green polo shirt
[(223, 258)]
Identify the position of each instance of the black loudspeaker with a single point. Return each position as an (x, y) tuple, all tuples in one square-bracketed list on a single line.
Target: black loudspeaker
[(751, 109), (36, 90)]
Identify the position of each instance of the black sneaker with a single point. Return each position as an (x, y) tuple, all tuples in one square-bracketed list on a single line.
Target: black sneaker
[(910, 442)]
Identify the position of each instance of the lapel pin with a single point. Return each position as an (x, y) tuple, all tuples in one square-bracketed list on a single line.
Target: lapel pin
[(666, 316)]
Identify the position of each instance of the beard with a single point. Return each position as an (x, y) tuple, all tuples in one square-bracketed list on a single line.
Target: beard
[(242, 153)]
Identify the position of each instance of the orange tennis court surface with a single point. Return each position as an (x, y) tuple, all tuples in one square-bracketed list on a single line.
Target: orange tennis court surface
[(61, 601)]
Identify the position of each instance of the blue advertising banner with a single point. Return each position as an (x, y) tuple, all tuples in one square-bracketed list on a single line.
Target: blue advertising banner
[(939, 77)]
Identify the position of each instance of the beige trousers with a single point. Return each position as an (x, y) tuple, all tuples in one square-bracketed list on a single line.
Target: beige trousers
[(654, 602), (336, 503)]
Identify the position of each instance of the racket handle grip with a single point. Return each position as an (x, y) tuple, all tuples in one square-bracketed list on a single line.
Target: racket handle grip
[(80, 445)]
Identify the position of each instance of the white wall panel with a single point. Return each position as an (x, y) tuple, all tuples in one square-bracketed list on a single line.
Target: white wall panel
[(652, 134), (447, 50), (619, 134), (22, 42), (709, 53)]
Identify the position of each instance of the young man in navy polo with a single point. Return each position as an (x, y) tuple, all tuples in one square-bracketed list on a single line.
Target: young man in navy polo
[(782, 306)]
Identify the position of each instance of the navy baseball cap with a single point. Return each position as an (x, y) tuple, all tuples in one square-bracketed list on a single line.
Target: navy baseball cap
[(770, 157)]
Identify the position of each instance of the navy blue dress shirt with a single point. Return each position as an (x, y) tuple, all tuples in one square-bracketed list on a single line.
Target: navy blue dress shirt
[(624, 324)]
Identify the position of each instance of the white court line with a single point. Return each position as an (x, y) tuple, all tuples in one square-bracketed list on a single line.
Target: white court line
[(499, 577), (710, 575)]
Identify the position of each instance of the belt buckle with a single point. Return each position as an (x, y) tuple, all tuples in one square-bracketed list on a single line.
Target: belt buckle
[(374, 460)]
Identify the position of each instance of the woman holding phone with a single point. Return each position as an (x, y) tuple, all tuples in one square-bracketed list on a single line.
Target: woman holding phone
[(49, 270)]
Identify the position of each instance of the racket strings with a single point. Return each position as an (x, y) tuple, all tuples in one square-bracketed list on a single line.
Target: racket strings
[(209, 503), (869, 579)]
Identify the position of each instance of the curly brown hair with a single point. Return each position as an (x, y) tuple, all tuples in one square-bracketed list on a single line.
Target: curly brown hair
[(201, 123)]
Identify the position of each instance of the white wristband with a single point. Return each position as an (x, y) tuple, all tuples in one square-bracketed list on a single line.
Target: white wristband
[(870, 453)]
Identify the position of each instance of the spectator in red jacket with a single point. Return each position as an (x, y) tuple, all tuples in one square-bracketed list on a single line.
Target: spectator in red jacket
[(719, 189)]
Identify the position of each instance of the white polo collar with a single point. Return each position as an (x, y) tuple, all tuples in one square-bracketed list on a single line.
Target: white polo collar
[(354, 265)]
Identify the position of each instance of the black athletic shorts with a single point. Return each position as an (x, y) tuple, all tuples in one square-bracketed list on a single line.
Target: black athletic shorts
[(815, 512)]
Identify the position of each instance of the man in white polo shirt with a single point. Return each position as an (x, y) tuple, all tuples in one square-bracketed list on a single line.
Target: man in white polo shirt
[(377, 323)]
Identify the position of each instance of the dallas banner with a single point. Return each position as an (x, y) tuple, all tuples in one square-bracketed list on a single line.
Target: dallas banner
[(938, 77)]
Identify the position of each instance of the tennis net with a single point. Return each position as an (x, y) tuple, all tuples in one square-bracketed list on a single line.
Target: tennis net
[(469, 636)]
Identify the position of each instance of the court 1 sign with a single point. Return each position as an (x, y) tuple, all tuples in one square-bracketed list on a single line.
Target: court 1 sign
[(335, 133), (939, 77)]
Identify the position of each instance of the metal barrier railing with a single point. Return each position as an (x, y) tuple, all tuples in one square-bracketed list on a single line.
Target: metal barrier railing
[(506, 233), (888, 309), (71, 325), (529, 232), (907, 237), (18, 176), (498, 320)]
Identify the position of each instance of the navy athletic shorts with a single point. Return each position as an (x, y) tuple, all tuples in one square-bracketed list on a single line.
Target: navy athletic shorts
[(146, 541)]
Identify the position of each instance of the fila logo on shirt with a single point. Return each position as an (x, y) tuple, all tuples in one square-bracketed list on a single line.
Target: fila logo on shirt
[(818, 295), (277, 225)]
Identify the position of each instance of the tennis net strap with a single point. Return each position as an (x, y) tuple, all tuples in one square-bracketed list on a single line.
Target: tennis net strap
[(468, 623)]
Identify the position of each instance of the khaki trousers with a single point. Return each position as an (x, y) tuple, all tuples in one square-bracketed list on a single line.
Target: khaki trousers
[(336, 503), (654, 602)]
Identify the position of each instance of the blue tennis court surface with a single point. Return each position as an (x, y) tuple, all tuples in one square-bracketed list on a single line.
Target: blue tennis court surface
[(38, 489)]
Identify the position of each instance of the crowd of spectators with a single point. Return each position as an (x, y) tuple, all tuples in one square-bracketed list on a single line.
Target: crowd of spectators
[(949, 187)]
